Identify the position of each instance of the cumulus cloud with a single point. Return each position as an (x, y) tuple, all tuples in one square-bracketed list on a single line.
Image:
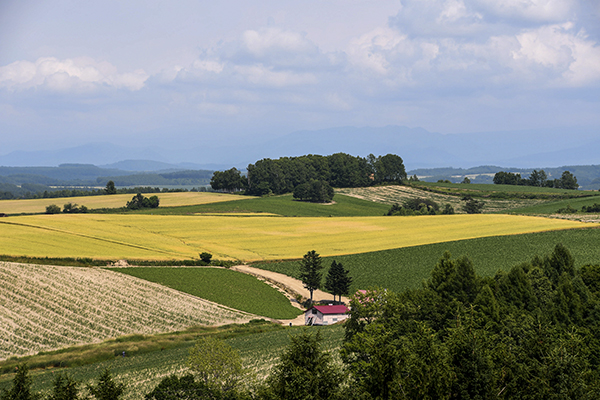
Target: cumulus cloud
[(532, 10), (445, 43), (81, 73)]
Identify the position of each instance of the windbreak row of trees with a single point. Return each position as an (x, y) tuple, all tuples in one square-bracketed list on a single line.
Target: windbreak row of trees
[(537, 178), (268, 176)]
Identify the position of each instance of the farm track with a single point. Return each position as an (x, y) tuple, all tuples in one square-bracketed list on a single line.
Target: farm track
[(289, 286)]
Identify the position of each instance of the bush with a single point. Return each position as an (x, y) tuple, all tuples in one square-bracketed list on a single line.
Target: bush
[(566, 210), (72, 208), (52, 209), (205, 257)]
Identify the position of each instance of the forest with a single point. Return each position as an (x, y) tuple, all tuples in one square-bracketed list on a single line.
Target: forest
[(284, 174)]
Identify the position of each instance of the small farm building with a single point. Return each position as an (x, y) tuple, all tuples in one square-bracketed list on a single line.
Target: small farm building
[(325, 315)]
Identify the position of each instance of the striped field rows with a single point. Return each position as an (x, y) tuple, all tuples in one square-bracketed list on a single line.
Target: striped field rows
[(49, 307)]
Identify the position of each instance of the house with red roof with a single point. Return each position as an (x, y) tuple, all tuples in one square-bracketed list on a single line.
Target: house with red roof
[(326, 315)]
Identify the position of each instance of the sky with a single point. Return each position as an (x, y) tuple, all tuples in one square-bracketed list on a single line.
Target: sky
[(182, 72)]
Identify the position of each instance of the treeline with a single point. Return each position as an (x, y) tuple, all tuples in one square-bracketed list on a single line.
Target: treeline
[(532, 332), (537, 178), (283, 175)]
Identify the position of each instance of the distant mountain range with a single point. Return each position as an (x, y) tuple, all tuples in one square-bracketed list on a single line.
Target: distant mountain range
[(418, 148)]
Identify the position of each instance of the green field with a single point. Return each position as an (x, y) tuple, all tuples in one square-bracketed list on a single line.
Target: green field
[(284, 205), (406, 268), (230, 288), (552, 207), (517, 190), (141, 373)]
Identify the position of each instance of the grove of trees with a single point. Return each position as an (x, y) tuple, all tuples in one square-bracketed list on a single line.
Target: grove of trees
[(537, 178), (268, 176)]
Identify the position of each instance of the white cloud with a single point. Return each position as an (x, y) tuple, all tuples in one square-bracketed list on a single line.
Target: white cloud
[(574, 58), (533, 10), (70, 74), (265, 76)]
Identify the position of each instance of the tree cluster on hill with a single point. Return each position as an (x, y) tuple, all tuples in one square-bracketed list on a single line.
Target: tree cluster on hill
[(140, 201), (282, 175), (419, 206), (528, 333), (537, 178)]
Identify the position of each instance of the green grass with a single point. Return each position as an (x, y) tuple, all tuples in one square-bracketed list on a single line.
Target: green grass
[(407, 268), (142, 372), (230, 288), (502, 191), (552, 207), (284, 205)]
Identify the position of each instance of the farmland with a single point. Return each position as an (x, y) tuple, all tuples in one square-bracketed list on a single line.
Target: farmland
[(142, 372), (47, 307), (282, 205), (34, 206), (233, 289), (246, 238), (406, 268)]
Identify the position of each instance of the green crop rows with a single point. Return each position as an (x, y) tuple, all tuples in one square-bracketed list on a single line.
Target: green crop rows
[(230, 288), (407, 268), (141, 373)]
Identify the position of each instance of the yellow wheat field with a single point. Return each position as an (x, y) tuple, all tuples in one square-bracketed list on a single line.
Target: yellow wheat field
[(114, 201), (246, 238)]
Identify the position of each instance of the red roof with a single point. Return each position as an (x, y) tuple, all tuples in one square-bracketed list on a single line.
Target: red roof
[(339, 309)]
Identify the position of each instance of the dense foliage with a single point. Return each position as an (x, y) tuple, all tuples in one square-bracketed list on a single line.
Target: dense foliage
[(280, 176), (529, 333), (419, 206), (314, 191), (140, 201), (537, 178)]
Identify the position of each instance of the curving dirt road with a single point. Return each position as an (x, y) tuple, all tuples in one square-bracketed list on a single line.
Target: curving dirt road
[(289, 286)]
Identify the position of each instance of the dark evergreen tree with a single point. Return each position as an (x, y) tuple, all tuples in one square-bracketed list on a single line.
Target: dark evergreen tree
[(338, 280), (64, 388), (21, 386), (304, 371), (310, 272), (106, 388)]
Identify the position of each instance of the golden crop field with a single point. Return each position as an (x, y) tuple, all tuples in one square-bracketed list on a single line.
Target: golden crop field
[(115, 201), (246, 238)]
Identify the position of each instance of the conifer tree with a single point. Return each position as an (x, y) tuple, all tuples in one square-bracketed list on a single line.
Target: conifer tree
[(21, 386), (338, 280), (310, 272)]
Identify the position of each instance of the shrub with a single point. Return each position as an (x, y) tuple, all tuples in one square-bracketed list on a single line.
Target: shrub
[(52, 209)]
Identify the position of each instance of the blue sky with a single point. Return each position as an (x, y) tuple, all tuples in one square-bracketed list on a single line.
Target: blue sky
[(179, 72)]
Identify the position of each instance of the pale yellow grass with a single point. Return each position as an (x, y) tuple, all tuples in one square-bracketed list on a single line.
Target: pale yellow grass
[(246, 238), (47, 307), (115, 201)]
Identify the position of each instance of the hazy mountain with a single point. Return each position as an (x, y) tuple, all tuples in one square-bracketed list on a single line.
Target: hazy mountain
[(418, 147)]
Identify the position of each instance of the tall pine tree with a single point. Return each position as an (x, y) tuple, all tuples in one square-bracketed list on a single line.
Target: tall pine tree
[(338, 280), (310, 272)]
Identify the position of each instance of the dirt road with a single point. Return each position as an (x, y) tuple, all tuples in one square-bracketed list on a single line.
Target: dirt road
[(291, 287)]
